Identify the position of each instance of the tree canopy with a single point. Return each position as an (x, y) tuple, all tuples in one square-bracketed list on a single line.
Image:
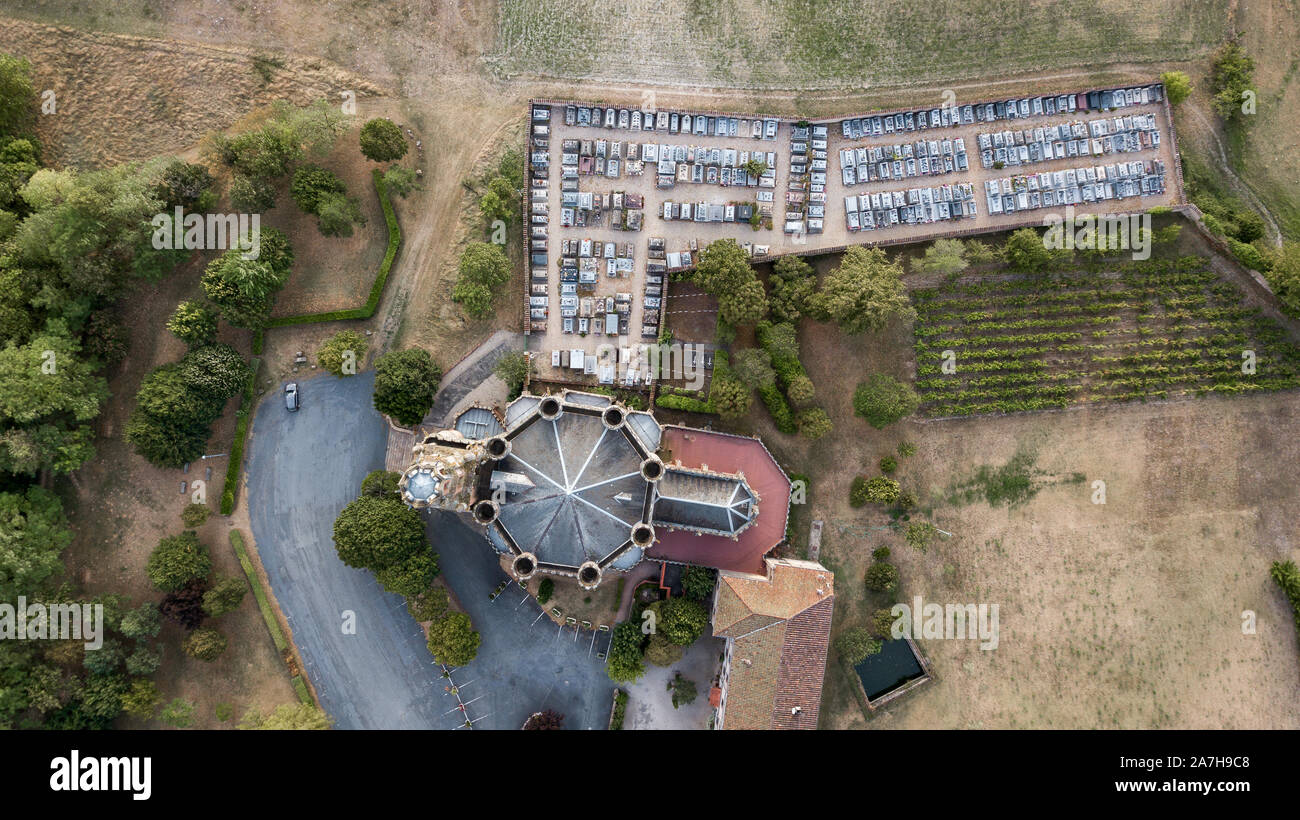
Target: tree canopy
[(452, 639), (377, 533), (177, 561), (483, 269), (863, 293), (382, 141), (405, 384)]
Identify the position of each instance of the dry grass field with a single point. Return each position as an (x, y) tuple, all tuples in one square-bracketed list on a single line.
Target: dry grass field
[(1122, 615)]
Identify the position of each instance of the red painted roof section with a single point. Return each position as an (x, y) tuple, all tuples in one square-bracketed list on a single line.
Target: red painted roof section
[(725, 453)]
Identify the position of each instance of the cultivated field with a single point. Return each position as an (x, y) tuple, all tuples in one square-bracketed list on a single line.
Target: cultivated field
[(1153, 329), (834, 44)]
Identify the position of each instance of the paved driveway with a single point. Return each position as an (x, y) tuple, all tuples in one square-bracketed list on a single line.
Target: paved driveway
[(303, 469)]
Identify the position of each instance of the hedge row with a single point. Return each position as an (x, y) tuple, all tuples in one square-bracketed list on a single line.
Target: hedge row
[(236, 459), (686, 403), (787, 368), (778, 407), (259, 592), (376, 289)]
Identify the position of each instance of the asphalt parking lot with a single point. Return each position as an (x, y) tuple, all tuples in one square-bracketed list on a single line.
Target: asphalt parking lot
[(303, 468)]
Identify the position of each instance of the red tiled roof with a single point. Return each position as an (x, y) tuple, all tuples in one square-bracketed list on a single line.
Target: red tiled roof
[(780, 624), (725, 453)]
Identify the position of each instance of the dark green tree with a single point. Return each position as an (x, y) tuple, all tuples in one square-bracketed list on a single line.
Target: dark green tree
[(405, 383), (177, 561), (382, 141)]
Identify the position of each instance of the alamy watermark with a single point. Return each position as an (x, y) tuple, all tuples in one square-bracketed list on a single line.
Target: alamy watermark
[(946, 621), (1094, 232), (657, 361), (52, 622), (208, 232)]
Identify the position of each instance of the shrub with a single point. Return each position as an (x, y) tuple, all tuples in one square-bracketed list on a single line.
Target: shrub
[(225, 596), (858, 491), (452, 640), (883, 400), (177, 561), (1287, 577), (906, 449), (686, 404), (547, 720), (343, 353), (206, 644), (141, 700), (856, 644), (814, 423), (888, 464), (312, 184), (920, 534), (800, 390), (753, 368), (430, 606), (881, 490), (545, 590), (882, 624), (620, 710), (251, 194), (662, 652), (195, 515), (881, 577), (779, 409), (179, 713), (193, 323), (382, 141)]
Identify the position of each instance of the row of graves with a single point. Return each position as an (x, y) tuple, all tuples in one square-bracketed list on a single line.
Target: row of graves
[(805, 195), (671, 122), (955, 116), (913, 206), (877, 163), (1075, 186), (1109, 135), (539, 217), (701, 165), (619, 210), (720, 212), (583, 264)]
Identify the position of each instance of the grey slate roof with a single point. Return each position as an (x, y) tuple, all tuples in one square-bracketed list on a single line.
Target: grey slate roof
[(588, 491)]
